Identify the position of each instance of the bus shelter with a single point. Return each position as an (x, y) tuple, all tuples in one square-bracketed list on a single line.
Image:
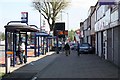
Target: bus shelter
[(12, 37), (42, 43), (52, 41)]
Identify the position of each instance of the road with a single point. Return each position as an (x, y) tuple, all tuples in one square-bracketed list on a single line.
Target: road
[(83, 66)]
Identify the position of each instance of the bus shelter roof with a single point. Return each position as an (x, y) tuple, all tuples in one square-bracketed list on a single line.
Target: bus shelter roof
[(19, 27)]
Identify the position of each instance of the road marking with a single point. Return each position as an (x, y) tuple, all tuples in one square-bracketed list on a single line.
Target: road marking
[(31, 63), (34, 78)]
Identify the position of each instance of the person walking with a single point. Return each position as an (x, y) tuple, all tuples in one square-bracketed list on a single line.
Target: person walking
[(67, 49), (78, 45)]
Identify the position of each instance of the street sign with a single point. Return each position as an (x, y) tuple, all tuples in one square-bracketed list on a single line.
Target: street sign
[(24, 17)]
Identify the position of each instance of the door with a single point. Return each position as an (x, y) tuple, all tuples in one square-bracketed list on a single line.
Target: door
[(105, 44)]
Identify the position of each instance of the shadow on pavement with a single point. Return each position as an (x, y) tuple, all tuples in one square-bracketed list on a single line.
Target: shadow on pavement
[(27, 71)]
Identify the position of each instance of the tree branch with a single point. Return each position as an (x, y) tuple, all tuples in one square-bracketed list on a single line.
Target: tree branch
[(50, 10)]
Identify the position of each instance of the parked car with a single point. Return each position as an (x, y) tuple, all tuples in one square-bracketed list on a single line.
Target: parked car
[(85, 48), (75, 46), (59, 45)]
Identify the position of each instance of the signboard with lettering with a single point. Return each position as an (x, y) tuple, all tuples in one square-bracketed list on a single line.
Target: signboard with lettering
[(59, 29)]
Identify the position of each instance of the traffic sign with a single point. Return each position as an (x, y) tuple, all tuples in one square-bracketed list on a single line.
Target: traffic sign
[(24, 17)]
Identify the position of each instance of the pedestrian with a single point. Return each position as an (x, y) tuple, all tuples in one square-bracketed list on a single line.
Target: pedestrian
[(20, 53), (67, 49), (21, 50), (78, 45)]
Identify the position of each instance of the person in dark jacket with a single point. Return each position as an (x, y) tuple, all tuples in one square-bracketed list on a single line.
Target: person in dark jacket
[(67, 49), (78, 45)]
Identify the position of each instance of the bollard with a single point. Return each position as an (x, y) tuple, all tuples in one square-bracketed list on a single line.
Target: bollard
[(8, 64)]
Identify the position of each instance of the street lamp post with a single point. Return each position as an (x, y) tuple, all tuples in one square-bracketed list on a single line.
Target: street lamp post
[(67, 23), (40, 16), (38, 7), (67, 18)]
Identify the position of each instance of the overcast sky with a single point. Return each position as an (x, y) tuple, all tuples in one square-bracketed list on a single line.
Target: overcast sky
[(10, 10)]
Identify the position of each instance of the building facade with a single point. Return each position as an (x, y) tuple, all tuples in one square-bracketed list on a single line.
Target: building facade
[(104, 24), (85, 24), (107, 32), (81, 32)]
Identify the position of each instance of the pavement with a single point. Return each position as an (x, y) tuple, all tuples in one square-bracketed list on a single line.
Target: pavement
[(60, 66), (33, 65)]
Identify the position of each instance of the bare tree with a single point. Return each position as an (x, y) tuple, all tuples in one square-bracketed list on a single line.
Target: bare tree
[(50, 9)]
